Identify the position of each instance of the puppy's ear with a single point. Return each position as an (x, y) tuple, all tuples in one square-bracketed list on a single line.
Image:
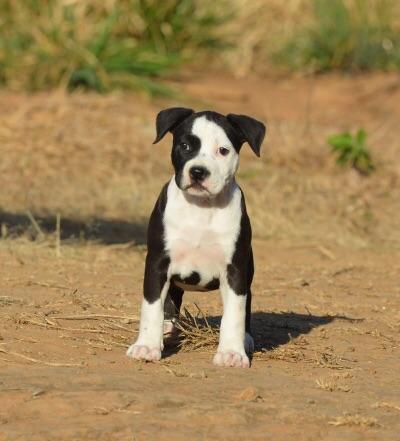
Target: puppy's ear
[(253, 131), (168, 119)]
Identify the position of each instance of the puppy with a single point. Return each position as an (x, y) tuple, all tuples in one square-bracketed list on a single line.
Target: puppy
[(199, 234)]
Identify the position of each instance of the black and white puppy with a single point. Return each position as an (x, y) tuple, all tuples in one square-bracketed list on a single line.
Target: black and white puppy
[(199, 234)]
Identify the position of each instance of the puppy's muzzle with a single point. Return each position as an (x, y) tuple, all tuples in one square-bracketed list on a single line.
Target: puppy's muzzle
[(198, 174)]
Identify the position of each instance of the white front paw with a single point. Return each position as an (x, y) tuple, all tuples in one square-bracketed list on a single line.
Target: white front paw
[(143, 352), (231, 359)]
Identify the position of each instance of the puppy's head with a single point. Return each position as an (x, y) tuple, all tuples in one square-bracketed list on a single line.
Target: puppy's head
[(206, 145)]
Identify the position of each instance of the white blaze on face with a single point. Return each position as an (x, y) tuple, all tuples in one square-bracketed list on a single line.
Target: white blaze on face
[(221, 167)]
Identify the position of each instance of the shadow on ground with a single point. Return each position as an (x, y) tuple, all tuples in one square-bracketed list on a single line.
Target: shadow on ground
[(106, 231), (273, 329)]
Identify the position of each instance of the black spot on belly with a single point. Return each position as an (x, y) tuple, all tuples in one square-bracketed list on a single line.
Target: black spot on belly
[(193, 279), (213, 284)]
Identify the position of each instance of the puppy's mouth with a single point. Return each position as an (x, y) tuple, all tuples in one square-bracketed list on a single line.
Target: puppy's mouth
[(197, 187)]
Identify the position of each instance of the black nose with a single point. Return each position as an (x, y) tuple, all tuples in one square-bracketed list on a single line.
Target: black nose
[(198, 174)]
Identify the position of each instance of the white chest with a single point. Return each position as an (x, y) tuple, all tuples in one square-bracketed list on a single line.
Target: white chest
[(201, 238)]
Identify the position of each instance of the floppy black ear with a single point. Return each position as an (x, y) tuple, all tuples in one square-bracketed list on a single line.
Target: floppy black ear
[(168, 119), (253, 131)]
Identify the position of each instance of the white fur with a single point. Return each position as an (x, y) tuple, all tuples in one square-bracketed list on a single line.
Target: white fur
[(221, 168), (231, 349), (149, 344), (201, 237)]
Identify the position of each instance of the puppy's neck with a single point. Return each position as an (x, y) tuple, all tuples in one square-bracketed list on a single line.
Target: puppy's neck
[(220, 200)]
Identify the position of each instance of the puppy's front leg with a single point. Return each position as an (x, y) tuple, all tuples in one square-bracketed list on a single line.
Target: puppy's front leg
[(231, 348), (149, 344)]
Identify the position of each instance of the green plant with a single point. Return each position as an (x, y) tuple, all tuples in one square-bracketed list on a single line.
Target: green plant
[(346, 35), (352, 151), (102, 45)]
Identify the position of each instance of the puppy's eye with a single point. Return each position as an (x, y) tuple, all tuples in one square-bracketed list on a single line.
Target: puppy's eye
[(223, 151), (185, 147)]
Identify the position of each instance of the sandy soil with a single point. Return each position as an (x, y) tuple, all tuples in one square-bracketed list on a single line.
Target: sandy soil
[(326, 292)]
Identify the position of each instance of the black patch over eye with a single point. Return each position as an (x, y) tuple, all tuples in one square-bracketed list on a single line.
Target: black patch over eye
[(223, 151), (185, 147)]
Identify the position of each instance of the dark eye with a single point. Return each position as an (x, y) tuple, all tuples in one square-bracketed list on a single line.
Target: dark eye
[(185, 147), (223, 151)]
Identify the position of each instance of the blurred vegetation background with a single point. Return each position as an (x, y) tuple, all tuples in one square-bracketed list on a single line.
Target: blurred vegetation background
[(133, 44)]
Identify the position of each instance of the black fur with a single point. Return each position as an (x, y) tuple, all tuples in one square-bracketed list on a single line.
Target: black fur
[(212, 285), (157, 260), (193, 279), (173, 302), (168, 119), (241, 270), (180, 156), (252, 131)]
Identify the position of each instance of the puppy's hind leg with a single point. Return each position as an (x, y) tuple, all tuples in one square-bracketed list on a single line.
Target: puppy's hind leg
[(172, 307), (248, 339)]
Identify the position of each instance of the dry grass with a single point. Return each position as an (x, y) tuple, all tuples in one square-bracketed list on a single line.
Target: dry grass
[(331, 385), (283, 353), (330, 360), (105, 330), (6, 301), (104, 182), (270, 24), (386, 406), (355, 421), (195, 332), (110, 330), (267, 23), (37, 361)]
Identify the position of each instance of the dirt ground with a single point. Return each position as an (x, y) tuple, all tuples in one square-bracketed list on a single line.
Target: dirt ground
[(326, 292)]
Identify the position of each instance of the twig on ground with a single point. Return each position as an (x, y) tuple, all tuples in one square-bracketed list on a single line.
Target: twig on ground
[(58, 235), (94, 317), (35, 360), (48, 285), (62, 328), (354, 420), (36, 226)]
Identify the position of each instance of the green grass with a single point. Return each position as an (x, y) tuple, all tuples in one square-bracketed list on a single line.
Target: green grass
[(133, 44), (101, 45), (351, 150), (352, 35)]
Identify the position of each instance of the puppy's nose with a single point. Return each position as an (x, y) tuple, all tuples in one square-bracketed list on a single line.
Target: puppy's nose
[(198, 174)]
